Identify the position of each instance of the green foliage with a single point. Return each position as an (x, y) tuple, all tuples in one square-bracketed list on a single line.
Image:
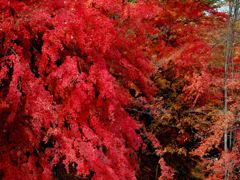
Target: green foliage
[(213, 2), (132, 1)]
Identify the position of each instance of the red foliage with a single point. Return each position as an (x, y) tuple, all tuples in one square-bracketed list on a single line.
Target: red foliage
[(65, 73), (66, 68)]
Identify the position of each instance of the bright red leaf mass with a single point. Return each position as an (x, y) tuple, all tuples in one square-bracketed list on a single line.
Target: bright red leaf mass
[(70, 70), (65, 71)]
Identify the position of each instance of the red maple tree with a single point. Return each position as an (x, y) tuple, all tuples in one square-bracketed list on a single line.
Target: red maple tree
[(66, 68)]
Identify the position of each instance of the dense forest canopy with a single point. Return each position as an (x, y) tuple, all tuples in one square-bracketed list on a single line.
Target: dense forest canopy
[(121, 89)]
